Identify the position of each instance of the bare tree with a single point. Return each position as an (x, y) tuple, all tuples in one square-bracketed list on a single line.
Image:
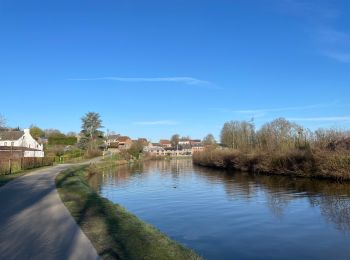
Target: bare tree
[(281, 134), (209, 140), (175, 140), (238, 135), (2, 121), (329, 138)]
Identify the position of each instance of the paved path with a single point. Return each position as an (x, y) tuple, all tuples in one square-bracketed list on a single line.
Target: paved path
[(35, 224)]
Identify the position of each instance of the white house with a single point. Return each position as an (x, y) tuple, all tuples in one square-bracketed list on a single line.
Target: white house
[(112, 139), (21, 140), (154, 150), (184, 142)]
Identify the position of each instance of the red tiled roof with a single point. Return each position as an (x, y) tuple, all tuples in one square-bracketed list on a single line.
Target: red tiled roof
[(123, 139), (164, 142)]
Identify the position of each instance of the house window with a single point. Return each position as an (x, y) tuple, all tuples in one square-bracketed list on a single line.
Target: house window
[(12, 143), (5, 144)]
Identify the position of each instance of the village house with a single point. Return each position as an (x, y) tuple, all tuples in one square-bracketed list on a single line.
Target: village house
[(154, 150), (195, 142), (124, 142), (165, 143), (178, 152), (184, 142), (197, 148), (112, 140), (19, 144)]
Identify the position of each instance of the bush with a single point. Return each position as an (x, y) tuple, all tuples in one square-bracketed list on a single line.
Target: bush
[(91, 153), (296, 162), (62, 139)]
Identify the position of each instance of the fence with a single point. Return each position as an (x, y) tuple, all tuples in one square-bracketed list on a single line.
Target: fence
[(13, 165)]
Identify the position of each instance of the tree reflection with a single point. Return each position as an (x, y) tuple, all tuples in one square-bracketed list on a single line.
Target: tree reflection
[(333, 199)]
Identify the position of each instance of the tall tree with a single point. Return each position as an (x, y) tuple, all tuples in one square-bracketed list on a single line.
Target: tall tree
[(91, 122), (36, 132), (175, 140), (136, 149), (209, 140), (2, 121), (280, 134), (238, 135)]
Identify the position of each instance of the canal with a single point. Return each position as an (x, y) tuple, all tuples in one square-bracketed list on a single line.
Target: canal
[(224, 215)]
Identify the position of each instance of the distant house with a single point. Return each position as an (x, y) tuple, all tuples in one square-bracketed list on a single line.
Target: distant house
[(124, 142), (165, 143), (195, 142), (154, 150), (197, 148), (112, 140), (178, 152), (184, 142), (19, 144)]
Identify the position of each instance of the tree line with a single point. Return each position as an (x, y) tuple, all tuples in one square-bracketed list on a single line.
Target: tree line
[(278, 135)]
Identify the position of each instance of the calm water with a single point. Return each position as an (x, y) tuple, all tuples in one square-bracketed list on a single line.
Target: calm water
[(235, 215)]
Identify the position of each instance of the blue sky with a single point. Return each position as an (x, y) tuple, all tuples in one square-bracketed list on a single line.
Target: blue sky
[(154, 68)]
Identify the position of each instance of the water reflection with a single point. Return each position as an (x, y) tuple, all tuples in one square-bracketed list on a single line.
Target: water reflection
[(332, 198), (215, 204)]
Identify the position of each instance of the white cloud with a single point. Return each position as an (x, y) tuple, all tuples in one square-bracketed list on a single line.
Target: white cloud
[(330, 118), (263, 111), (185, 80), (330, 42), (332, 36), (310, 9), (159, 122), (339, 56), (266, 110), (335, 44)]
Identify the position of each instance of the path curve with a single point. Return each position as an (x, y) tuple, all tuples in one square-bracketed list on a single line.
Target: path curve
[(35, 224)]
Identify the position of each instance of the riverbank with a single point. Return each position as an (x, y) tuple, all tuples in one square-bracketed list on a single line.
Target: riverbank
[(114, 232), (298, 163)]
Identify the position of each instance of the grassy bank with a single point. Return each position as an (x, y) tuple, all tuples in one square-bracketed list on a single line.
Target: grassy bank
[(301, 163), (115, 233)]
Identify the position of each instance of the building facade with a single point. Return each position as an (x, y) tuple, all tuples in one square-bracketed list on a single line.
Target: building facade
[(20, 142)]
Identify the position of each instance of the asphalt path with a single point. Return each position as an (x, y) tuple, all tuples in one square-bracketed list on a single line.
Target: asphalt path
[(35, 224)]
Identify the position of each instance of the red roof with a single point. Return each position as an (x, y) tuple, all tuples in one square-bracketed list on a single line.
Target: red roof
[(123, 139), (164, 142)]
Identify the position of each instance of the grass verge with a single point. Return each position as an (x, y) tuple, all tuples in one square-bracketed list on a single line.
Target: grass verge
[(114, 232), (9, 177)]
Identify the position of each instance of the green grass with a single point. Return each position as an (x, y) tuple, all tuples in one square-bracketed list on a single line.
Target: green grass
[(9, 177), (114, 232)]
